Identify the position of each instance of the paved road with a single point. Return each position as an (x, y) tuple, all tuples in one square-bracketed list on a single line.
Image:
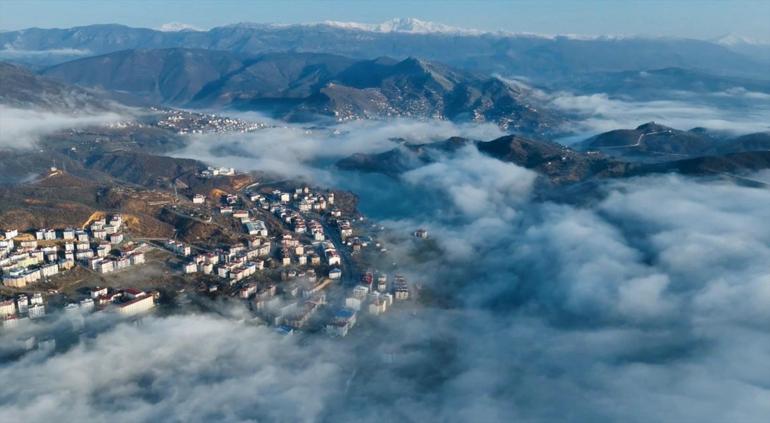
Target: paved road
[(636, 144)]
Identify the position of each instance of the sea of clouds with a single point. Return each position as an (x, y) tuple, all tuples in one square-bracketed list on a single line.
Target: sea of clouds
[(648, 303)]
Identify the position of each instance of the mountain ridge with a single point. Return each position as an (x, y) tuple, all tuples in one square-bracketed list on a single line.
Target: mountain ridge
[(540, 58), (297, 86)]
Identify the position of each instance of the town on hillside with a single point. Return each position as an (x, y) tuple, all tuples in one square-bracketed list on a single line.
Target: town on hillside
[(292, 256)]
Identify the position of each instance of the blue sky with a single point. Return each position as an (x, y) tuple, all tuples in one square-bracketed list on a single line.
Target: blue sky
[(704, 19)]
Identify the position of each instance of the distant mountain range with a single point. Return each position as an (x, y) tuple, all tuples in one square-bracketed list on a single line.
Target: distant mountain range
[(300, 86), (170, 76), (695, 152), (657, 142), (557, 163), (129, 153), (539, 58), (402, 25)]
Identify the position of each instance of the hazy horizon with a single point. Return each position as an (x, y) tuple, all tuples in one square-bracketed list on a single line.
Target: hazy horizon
[(697, 19)]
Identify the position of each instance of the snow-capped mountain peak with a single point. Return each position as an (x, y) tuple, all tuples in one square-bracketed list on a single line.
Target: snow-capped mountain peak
[(405, 25), (177, 26), (732, 40)]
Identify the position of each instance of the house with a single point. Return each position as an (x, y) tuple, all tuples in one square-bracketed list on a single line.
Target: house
[(36, 311), (7, 308), (179, 248), (133, 293), (248, 290), (116, 221), (86, 304), (335, 273), (353, 303), (360, 291), (382, 282), (190, 268), (104, 266), (198, 199), (32, 244), (378, 306), (102, 250), (67, 263), (22, 304), (136, 258), (84, 255), (332, 257), (137, 305), (81, 235), (98, 292), (45, 234), (256, 227), (343, 321), (49, 270)]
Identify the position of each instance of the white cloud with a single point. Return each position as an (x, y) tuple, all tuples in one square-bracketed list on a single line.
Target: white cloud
[(290, 150), (10, 52), (477, 185), (600, 113), (646, 302), (194, 368), (22, 128)]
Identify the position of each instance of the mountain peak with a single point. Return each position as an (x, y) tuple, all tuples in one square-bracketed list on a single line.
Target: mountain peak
[(650, 127), (403, 25), (177, 27), (732, 40)]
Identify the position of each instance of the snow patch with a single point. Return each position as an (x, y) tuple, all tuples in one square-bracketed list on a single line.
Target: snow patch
[(177, 26)]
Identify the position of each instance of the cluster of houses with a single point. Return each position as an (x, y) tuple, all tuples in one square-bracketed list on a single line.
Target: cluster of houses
[(297, 314), (210, 172), (302, 246), (21, 308), (228, 207), (105, 262), (200, 123), (234, 263), (25, 260), (299, 246), (302, 297), (291, 314), (127, 302), (372, 295), (302, 199)]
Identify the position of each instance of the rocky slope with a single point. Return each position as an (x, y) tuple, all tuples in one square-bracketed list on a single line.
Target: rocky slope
[(299, 86)]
